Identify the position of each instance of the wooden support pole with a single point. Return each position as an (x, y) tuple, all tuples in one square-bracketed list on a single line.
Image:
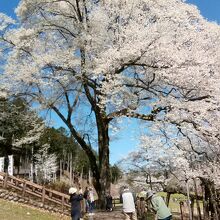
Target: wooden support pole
[(24, 188), (5, 181), (43, 195), (62, 203), (50, 194)]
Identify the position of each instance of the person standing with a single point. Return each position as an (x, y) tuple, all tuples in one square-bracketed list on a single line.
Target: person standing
[(158, 205), (91, 201), (109, 204), (128, 202), (86, 197), (75, 200), (141, 208)]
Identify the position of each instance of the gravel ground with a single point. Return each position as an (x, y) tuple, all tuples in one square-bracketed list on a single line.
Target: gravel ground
[(115, 215)]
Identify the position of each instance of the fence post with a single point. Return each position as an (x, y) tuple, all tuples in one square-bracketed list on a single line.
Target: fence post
[(114, 203), (24, 188), (181, 210), (5, 181), (62, 203), (50, 194), (43, 194)]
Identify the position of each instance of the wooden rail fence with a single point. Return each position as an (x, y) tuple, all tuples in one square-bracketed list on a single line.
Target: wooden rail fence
[(39, 191)]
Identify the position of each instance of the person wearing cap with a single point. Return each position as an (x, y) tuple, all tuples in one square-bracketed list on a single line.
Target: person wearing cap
[(75, 200), (128, 202), (158, 205)]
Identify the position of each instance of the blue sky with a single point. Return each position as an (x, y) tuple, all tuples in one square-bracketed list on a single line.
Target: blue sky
[(8, 6), (209, 8), (125, 143)]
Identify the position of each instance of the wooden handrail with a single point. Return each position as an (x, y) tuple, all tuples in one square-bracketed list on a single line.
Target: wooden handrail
[(39, 191), (28, 187)]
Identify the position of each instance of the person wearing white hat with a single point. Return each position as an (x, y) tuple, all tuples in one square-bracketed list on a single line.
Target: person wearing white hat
[(72, 190), (75, 199), (158, 205)]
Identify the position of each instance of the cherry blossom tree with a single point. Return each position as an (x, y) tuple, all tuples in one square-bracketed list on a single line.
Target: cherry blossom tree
[(92, 62), (45, 165), (170, 154)]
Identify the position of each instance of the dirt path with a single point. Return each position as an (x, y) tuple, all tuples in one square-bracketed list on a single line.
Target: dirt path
[(116, 215)]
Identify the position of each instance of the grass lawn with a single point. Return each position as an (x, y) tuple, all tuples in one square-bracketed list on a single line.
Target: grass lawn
[(175, 200), (17, 211)]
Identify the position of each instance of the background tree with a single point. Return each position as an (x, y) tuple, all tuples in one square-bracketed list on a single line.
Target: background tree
[(45, 165), (68, 152), (19, 127), (116, 173)]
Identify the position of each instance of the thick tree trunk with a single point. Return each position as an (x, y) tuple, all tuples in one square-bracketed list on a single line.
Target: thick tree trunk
[(104, 166), (105, 180)]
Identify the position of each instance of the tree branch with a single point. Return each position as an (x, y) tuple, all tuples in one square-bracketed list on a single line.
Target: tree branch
[(80, 140)]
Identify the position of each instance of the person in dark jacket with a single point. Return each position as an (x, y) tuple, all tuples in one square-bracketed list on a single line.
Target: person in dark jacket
[(109, 204), (75, 200)]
